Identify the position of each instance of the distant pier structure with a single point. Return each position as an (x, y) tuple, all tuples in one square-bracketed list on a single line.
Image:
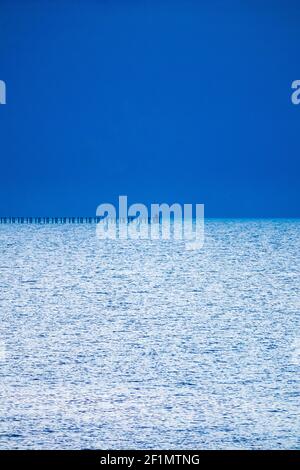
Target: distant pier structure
[(49, 220), (70, 220)]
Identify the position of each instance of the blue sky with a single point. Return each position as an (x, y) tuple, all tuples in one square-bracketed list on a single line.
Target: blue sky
[(163, 101)]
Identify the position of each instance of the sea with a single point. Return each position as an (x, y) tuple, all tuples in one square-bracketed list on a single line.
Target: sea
[(143, 344)]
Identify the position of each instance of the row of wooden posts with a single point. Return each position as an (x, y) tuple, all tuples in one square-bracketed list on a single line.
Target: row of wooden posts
[(49, 220), (66, 220)]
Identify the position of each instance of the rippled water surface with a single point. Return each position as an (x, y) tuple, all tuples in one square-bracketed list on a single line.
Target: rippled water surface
[(140, 344)]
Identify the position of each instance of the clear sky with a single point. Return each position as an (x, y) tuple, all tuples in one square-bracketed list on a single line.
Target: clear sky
[(164, 101)]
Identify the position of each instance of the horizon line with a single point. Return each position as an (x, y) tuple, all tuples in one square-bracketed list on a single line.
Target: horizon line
[(61, 220)]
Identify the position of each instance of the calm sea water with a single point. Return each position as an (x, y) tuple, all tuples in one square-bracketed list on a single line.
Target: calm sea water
[(140, 344)]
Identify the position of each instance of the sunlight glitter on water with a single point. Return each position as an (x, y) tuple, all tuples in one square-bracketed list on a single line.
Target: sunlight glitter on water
[(143, 344)]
